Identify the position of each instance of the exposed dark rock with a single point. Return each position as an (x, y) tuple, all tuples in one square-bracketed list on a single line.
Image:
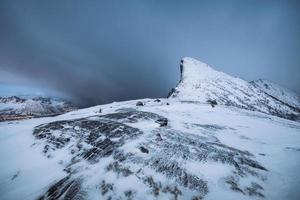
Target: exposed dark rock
[(255, 190), (172, 92), (132, 116), (144, 150), (119, 169), (162, 122), (213, 103), (106, 187), (158, 137), (66, 189), (293, 148), (140, 103), (93, 139), (15, 175)]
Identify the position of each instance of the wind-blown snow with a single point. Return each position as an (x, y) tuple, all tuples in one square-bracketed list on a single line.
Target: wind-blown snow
[(272, 142)]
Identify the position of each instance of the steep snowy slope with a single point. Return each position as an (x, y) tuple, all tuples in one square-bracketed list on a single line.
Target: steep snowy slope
[(125, 152), (276, 91), (12, 108), (199, 82)]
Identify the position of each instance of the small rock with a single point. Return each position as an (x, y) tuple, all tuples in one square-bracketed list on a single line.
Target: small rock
[(16, 175), (168, 104), (144, 150), (158, 137), (139, 103), (157, 100), (162, 122), (213, 103)]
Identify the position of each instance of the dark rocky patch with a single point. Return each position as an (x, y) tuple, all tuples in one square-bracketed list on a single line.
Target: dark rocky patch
[(15, 175), (140, 103), (254, 189), (162, 122), (66, 188), (144, 150), (212, 127), (106, 187), (293, 148), (98, 134), (132, 116), (168, 150), (212, 102), (119, 169)]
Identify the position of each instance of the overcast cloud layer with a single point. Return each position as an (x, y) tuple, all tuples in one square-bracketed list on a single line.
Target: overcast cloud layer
[(103, 51)]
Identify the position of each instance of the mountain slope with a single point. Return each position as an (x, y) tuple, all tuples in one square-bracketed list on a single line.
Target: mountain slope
[(177, 148), (199, 82), (276, 91), (12, 108), (125, 153)]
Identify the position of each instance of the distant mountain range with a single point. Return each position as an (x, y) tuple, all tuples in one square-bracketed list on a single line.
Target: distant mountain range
[(13, 107)]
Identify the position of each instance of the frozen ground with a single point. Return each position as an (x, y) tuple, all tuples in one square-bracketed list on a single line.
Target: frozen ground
[(123, 153)]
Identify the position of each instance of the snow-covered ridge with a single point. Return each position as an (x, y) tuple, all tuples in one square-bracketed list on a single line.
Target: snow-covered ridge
[(278, 92), (14, 107), (200, 82)]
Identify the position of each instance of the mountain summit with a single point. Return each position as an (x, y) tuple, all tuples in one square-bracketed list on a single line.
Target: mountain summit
[(201, 83)]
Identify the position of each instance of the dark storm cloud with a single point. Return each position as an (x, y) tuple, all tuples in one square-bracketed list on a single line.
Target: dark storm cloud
[(101, 51)]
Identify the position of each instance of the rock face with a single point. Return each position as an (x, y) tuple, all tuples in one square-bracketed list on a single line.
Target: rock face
[(13, 108), (199, 82)]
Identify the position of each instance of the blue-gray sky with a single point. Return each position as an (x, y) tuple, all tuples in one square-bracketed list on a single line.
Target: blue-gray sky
[(103, 51)]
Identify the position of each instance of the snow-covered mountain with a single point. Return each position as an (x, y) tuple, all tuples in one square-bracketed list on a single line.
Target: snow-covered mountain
[(278, 92), (176, 148), (200, 82), (14, 107)]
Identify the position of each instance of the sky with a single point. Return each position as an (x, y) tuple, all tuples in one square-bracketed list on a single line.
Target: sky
[(97, 52)]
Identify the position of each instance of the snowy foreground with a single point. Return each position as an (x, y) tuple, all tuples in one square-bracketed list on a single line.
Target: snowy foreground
[(123, 153)]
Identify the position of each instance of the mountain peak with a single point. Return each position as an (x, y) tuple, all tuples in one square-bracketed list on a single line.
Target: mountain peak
[(193, 70), (201, 83)]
